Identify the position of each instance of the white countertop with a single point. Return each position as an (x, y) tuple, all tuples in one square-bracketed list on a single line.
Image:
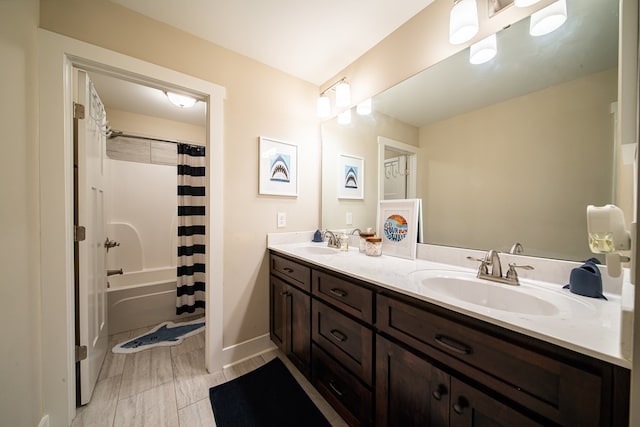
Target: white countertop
[(587, 325)]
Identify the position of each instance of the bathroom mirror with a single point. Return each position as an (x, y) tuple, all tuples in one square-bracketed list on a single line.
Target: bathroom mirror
[(512, 150)]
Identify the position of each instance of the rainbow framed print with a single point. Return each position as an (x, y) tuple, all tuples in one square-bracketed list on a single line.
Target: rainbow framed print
[(278, 168), (398, 226), (350, 177)]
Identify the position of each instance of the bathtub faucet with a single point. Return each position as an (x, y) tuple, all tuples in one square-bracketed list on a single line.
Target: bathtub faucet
[(113, 272)]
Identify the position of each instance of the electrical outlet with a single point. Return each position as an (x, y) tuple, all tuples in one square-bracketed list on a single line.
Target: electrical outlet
[(349, 218), (282, 219)]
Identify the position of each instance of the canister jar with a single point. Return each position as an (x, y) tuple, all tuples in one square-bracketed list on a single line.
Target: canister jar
[(364, 235), (373, 246)]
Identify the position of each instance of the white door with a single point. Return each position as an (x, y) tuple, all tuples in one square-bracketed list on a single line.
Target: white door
[(395, 178), (91, 253)]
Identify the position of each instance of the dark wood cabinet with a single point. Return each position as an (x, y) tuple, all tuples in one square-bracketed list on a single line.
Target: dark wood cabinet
[(386, 359), (290, 322)]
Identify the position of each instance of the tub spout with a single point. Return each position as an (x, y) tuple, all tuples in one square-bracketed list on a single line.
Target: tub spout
[(113, 272)]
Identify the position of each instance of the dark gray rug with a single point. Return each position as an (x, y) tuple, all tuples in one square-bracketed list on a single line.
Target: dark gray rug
[(266, 397)]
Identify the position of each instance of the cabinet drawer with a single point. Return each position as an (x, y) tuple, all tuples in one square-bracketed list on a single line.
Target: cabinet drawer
[(345, 339), (348, 396), (350, 297), (296, 274), (551, 388)]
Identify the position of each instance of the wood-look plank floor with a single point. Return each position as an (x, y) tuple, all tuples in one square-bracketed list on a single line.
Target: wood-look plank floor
[(169, 386)]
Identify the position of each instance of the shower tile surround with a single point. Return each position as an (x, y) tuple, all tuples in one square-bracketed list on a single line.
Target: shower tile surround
[(169, 386), (607, 337)]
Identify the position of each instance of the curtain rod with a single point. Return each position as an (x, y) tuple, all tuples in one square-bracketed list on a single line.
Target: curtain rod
[(117, 133)]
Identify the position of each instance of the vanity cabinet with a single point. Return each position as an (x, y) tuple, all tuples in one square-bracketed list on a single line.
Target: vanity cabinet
[(383, 358), (290, 311)]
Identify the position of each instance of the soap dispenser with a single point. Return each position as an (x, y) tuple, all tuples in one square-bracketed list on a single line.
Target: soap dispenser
[(344, 242)]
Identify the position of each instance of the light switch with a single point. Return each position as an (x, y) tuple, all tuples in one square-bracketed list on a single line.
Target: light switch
[(349, 218), (282, 219)]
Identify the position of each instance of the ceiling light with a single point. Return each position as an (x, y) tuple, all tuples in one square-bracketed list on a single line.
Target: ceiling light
[(343, 94), (548, 19), (324, 107), (484, 50), (525, 3), (364, 107), (344, 118), (182, 101), (463, 21)]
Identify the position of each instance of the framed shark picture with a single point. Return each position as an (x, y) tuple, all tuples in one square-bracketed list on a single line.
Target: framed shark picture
[(350, 177), (278, 168)]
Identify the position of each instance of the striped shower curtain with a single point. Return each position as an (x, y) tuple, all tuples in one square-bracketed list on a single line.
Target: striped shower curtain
[(191, 228)]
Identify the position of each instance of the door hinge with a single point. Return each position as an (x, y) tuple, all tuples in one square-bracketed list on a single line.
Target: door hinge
[(79, 233), (78, 111), (81, 352)]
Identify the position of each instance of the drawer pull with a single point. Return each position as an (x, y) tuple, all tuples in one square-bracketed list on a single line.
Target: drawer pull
[(439, 392), (284, 293), (453, 345), (459, 406), (288, 270), (339, 292), (335, 389), (338, 336)]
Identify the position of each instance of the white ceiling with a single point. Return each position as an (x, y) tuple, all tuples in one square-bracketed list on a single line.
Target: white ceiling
[(312, 40)]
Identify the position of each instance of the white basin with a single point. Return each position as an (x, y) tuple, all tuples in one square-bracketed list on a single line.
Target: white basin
[(317, 250), (497, 297)]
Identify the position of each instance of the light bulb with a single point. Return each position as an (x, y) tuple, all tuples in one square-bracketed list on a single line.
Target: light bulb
[(324, 107), (484, 50), (343, 95), (182, 101), (364, 107), (463, 21), (548, 19)]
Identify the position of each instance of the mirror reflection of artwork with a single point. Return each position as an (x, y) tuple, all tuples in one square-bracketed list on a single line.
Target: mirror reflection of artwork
[(350, 177), (278, 168)]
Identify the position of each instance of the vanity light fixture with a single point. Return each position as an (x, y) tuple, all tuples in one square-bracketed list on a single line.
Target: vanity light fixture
[(182, 101), (343, 97), (548, 19), (463, 21), (484, 50), (343, 94), (525, 3), (324, 107), (364, 107), (344, 118)]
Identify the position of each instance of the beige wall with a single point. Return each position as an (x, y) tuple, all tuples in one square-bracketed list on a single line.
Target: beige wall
[(359, 138), (260, 101), (516, 169), (20, 370)]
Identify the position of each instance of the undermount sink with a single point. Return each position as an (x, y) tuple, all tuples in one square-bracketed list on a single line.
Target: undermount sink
[(318, 250), (489, 295)]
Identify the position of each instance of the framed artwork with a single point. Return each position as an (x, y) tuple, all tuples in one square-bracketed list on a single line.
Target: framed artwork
[(278, 168), (350, 177), (398, 226)]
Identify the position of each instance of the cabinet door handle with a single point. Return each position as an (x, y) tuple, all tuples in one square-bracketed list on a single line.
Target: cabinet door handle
[(284, 293), (335, 389), (453, 345), (439, 392), (459, 406), (288, 270), (338, 336), (339, 292)]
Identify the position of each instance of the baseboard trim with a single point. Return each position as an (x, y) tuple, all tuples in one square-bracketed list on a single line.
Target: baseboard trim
[(245, 350)]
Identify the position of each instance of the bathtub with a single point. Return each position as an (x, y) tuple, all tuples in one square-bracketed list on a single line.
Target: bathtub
[(142, 298)]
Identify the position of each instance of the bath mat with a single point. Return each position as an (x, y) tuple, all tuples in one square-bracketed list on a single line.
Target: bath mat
[(167, 333), (266, 397)]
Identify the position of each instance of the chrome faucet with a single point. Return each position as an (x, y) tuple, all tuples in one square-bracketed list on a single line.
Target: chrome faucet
[(492, 259), (332, 242)]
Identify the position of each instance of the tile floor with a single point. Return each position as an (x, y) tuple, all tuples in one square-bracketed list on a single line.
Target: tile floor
[(169, 386)]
